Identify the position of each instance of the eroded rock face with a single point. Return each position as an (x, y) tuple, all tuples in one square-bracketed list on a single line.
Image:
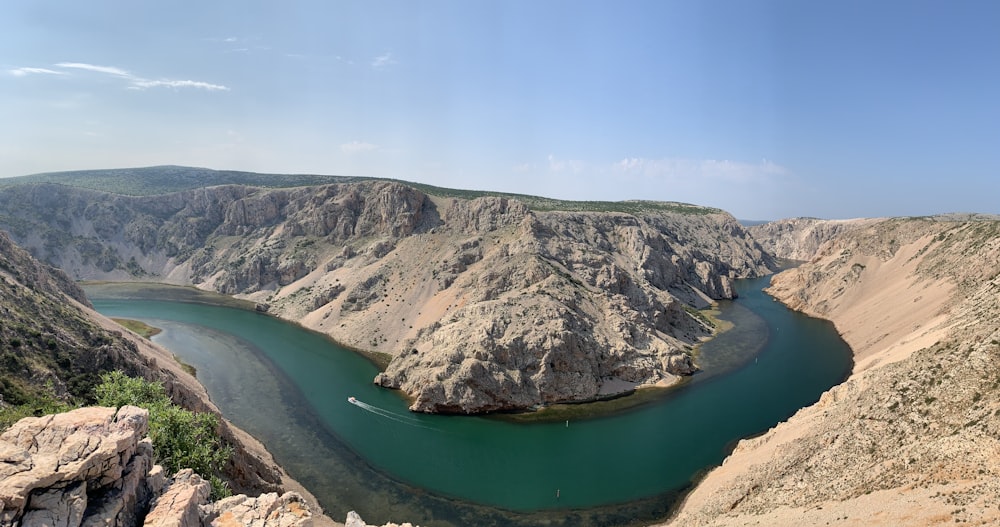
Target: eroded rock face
[(800, 238), (85, 467), (560, 306)]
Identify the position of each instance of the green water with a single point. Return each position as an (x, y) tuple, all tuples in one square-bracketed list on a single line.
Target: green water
[(289, 387)]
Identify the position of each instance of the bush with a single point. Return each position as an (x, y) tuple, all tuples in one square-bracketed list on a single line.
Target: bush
[(181, 438)]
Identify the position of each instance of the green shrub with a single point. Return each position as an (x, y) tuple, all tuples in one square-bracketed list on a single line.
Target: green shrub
[(28, 405), (181, 438), (117, 390)]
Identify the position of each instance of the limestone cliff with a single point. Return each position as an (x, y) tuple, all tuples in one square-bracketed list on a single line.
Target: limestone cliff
[(94, 466), (800, 238), (484, 304), (912, 437)]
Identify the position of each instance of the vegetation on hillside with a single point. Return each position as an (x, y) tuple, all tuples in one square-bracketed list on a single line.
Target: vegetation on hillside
[(181, 438), (55, 357), (50, 356), (150, 181)]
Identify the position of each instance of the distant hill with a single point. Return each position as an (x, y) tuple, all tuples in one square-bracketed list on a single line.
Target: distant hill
[(153, 181)]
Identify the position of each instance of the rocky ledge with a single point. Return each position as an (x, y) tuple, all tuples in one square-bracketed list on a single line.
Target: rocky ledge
[(94, 466)]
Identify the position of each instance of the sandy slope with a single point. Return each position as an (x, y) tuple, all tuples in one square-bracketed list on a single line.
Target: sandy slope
[(910, 438)]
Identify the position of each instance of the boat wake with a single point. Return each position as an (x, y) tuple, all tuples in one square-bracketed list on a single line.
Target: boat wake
[(388, 414)]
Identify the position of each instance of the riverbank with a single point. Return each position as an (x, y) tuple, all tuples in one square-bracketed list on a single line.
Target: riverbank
[(254, 448)]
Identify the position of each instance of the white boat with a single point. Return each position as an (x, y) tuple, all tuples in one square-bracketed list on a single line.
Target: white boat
[(352, 400)]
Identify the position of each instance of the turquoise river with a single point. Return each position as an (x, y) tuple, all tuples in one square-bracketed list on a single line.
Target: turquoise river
[(289, 387)]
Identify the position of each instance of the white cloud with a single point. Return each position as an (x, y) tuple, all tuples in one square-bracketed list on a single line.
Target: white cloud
[(110, 70), (135, 82), (566, 165), (21, 72), (355, 147), (143, 83), (383, 61)]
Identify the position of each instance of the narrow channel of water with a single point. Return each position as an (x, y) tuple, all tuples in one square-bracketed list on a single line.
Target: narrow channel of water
[(290, 388)]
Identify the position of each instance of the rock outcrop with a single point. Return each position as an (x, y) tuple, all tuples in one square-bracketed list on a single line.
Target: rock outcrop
[(86, 467), (912, 437), (94, 466), (485, 304)]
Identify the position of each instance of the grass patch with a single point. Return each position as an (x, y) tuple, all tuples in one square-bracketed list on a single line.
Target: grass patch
[(708, 317), (612, 405), (155, 291), (143, 329), (191, 370)]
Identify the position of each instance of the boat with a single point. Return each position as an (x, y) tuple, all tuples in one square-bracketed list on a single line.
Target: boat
[(352, 400)]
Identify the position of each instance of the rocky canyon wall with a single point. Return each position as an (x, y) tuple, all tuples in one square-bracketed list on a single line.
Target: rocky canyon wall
[(483, 304), (799, 239)]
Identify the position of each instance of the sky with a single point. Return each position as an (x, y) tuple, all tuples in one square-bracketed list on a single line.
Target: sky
[(766, 108)]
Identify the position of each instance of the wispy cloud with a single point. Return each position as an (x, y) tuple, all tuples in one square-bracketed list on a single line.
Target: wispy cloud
[(135, 82), (21, 72), (699, 169), (355, 147), (566, 165), (383, 61), (744, 188), (110, 70), (143, 84)]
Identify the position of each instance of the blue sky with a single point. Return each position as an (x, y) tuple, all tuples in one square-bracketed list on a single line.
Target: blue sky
[(767, 109)]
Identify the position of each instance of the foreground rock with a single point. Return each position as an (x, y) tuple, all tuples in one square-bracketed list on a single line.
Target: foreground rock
[(912, 437), (89, 466), (94, 466), (483, 304)]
